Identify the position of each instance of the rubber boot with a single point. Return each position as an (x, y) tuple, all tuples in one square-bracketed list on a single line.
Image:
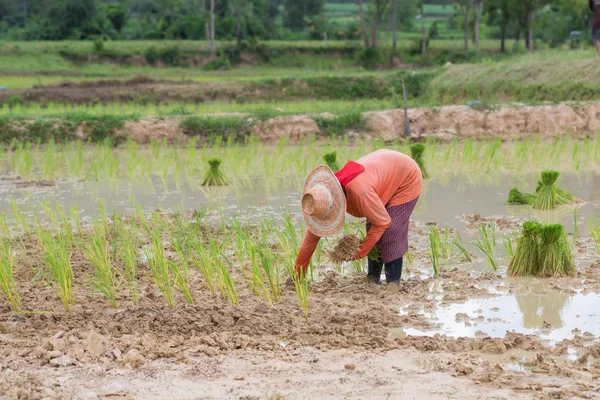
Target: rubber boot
[(374, 271), (393, 271)]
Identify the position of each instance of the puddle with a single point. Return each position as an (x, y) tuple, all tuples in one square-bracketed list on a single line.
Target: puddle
[(551, 316)]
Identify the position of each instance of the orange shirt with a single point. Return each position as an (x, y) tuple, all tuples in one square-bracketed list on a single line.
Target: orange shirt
[(390, 178)]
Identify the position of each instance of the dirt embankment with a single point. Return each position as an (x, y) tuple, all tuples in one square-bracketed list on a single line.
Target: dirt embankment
[(445, 123)]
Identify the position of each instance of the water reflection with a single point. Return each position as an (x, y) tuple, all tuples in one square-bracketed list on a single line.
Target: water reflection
[(552, 316)]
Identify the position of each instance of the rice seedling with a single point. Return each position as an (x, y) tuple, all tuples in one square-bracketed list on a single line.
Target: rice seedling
[(458, 243), (214, 176), (224, 280), (271, 272), (434, 250), (160, 267), (331, 160), (443, 243), (416, 151), (97, 250), (203, 261), (594, 229), (56, 256), (128, 254), (20, 218), (526, 255), (555, 254), (486, 242), (509, 244), (8, 286), (300, 280)]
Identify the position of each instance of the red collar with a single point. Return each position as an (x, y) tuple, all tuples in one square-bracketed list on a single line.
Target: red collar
[(350, 171)]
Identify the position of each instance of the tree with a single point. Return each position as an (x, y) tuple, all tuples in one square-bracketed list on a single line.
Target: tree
[(117, 15), (296, 12), (238, 30), (211, 39), (363, 25), (501, 12), (463, 7), (376, 14), (478, 5), (394, 28)]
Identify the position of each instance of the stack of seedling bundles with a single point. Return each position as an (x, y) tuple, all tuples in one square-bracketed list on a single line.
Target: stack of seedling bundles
[(542, 250), (547, 195)]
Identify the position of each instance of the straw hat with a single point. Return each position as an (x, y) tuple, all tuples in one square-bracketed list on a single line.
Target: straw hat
[(323, 202)]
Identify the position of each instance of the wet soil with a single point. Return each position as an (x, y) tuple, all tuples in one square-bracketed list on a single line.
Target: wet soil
[(345, 349)]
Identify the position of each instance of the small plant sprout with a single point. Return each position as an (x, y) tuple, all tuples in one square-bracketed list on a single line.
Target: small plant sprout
[(97, 250), (331, 160), (509, 244), (214, 176), (434, 243), (300, 280), (8, 286), (128, 254), (594, 229), (417, 150), (204, 263), (458, 243), (486, 242), (56, 256), (160, 267)]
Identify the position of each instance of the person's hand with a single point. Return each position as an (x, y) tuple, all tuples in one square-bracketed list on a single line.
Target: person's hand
[(357, 256)]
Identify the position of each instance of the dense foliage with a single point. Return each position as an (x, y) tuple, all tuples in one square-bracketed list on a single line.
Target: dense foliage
[(551, 22)]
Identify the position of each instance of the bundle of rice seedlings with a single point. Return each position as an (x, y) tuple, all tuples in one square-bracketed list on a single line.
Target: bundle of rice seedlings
[(546, 198), (214, 176), (526, 254), (562, 196), (416, 152), (344, 249), (331, 160), (555, 257), (516, 197)]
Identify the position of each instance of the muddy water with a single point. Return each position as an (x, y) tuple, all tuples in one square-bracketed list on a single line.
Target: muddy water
[(552, 316), (442, 200)]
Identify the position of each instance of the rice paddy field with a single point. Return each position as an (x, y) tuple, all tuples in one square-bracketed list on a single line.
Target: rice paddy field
[(164, 268)]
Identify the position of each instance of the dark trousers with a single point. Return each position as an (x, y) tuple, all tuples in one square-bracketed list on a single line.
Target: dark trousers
[(393, 270)]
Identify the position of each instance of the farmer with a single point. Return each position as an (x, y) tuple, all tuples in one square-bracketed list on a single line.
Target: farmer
[(595, 9), (382, 187)]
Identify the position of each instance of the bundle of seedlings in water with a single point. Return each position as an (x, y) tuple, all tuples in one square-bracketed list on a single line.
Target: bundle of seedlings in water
[(555, 253), (516, 197), (548, 195), (526, 255), (416, 152), (344, 249), (331, 160), (214, 176)]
